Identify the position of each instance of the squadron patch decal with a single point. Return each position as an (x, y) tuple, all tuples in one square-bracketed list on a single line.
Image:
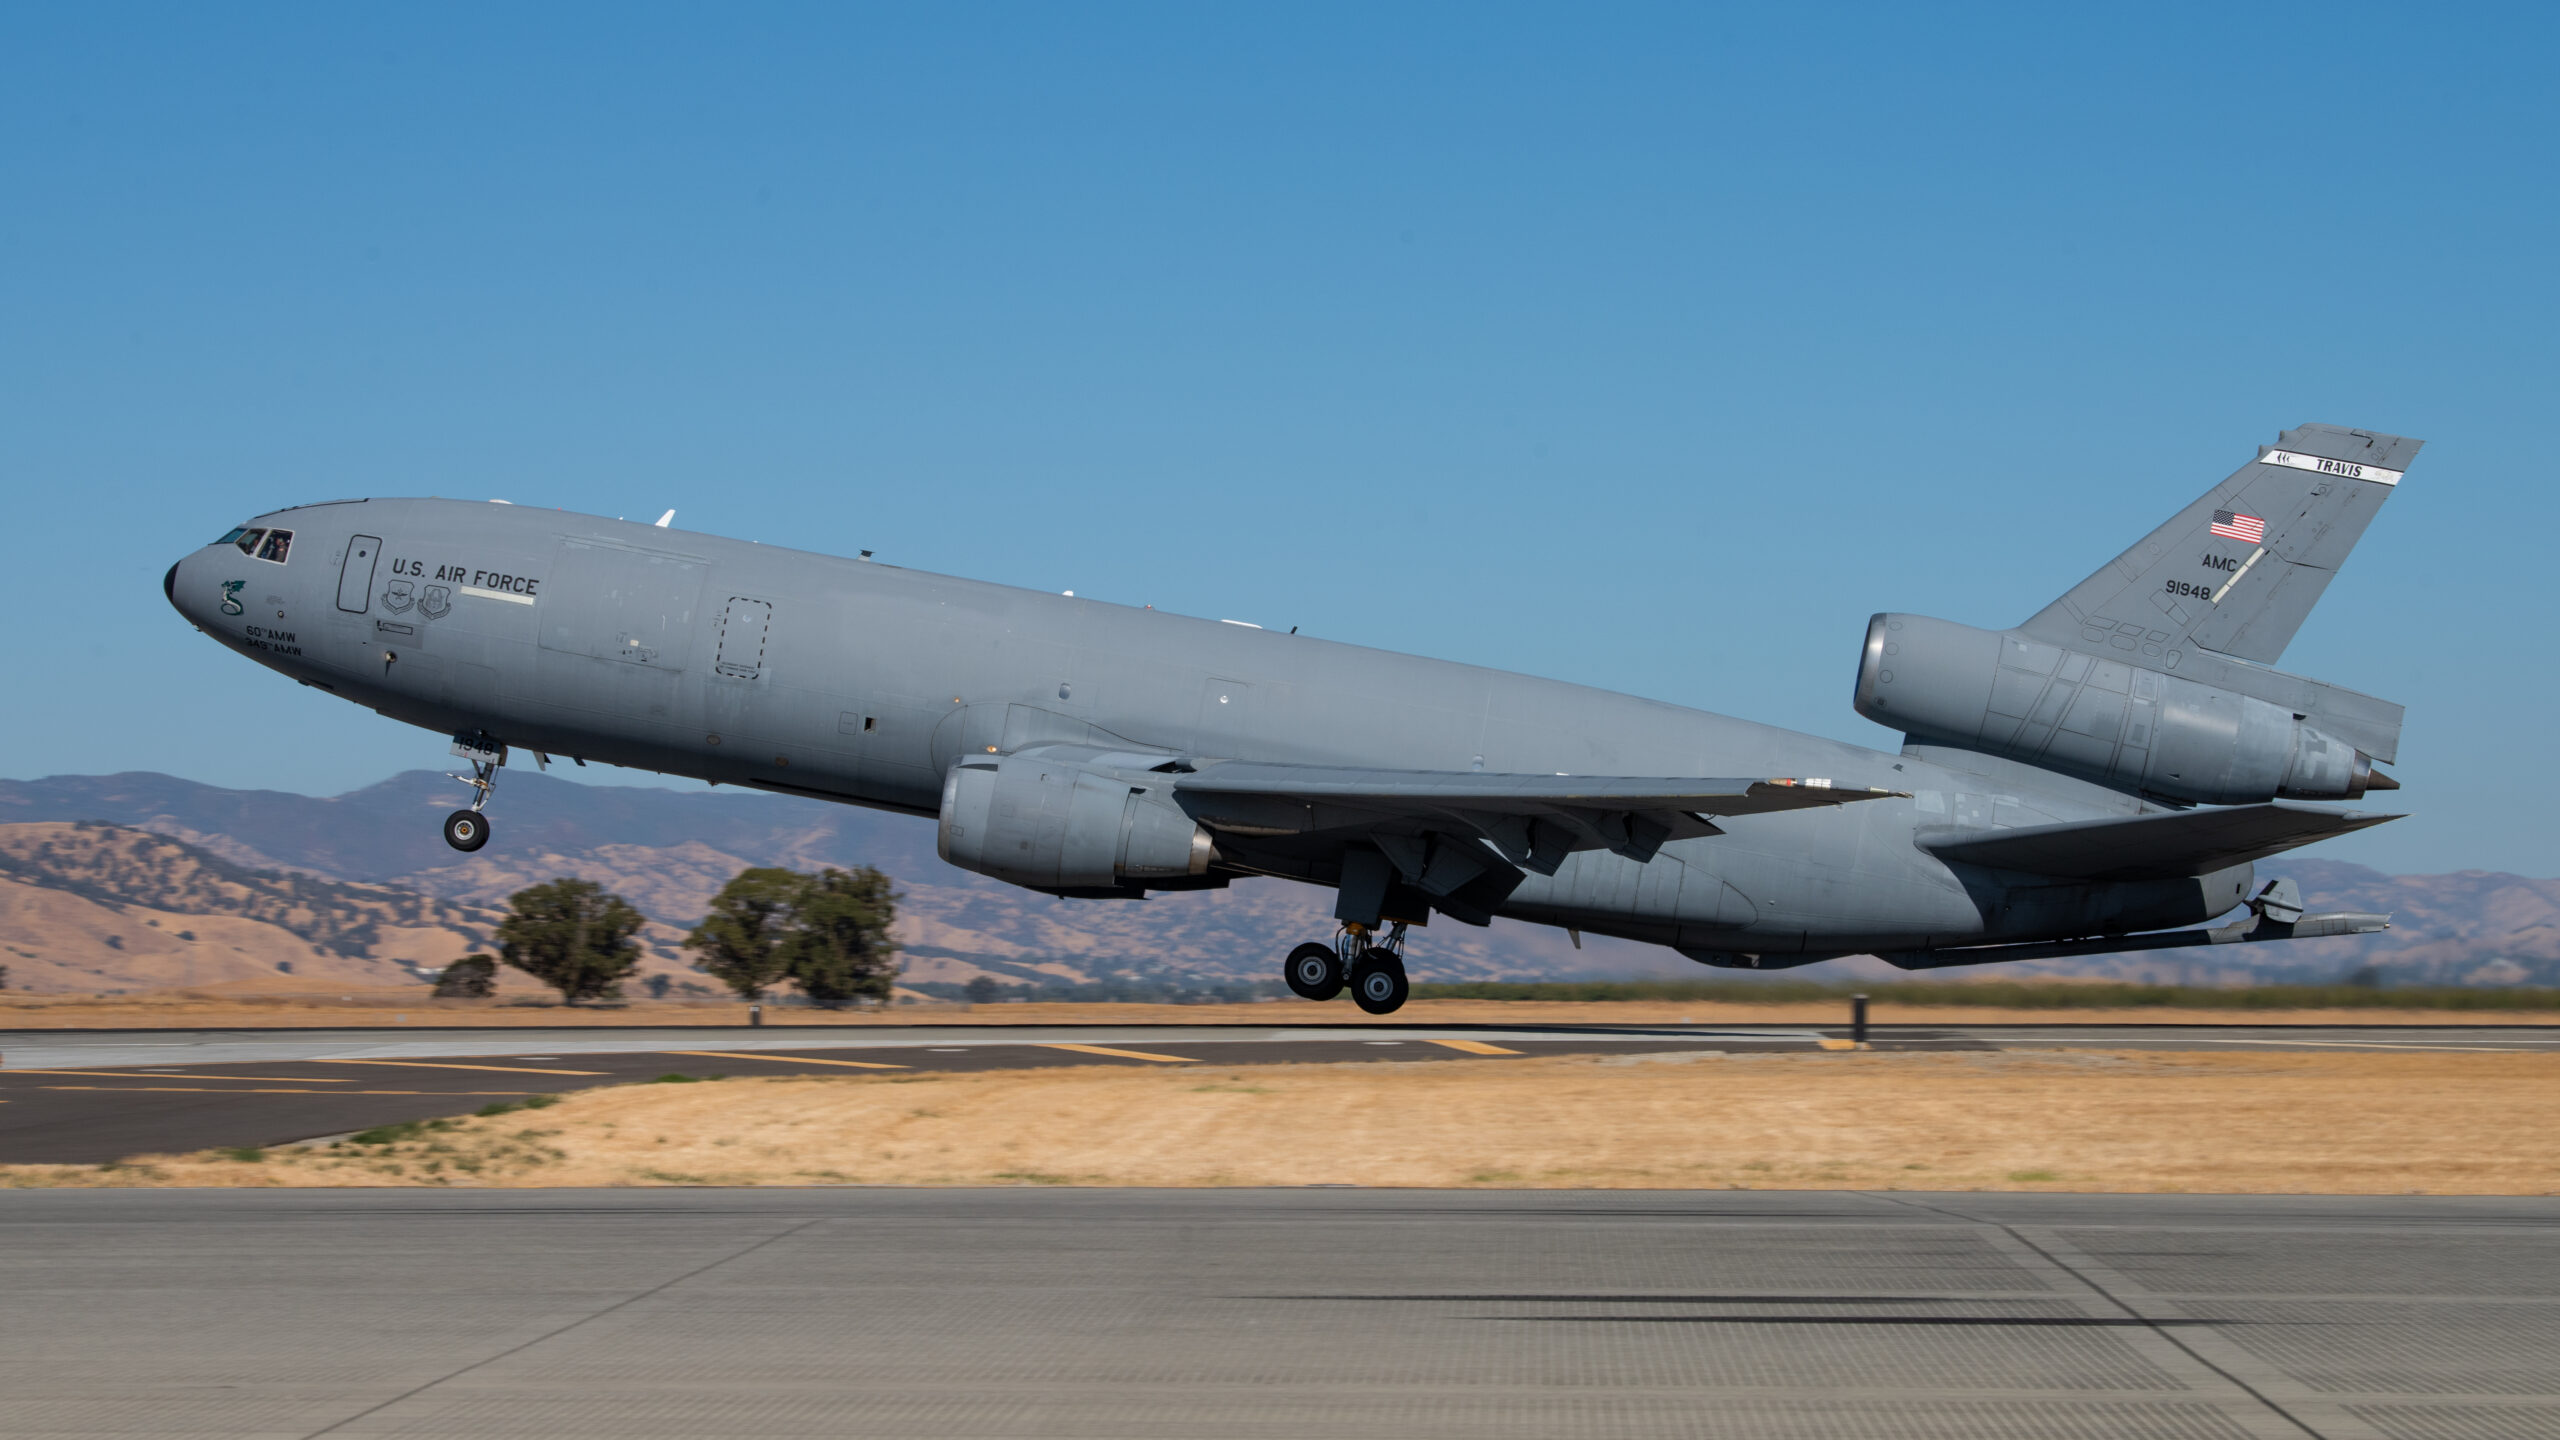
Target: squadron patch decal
[(231, 598)]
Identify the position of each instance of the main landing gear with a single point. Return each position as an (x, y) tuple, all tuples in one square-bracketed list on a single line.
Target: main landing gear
[(1374, 971)]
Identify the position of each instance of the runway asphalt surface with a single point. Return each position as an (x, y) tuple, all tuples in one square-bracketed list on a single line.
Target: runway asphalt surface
[(1414, 1315), (87, 1097)]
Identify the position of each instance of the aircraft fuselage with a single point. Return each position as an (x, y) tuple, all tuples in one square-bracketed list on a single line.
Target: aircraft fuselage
[(757, 665)]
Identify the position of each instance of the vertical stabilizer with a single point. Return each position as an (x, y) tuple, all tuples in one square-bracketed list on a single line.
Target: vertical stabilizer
[(2239, 570)]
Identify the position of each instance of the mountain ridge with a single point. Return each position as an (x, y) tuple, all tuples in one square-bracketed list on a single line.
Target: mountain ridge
[(669, 851)]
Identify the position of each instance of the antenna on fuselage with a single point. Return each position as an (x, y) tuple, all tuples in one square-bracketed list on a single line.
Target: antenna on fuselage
[(663, 519)]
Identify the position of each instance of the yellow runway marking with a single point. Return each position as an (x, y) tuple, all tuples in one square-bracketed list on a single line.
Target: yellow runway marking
[(786, 1059), (1829, 1044), (209, 1090), (437, 1065), (1124, 1054), (2317, 1044), (1475, 1047), (161, 1075)]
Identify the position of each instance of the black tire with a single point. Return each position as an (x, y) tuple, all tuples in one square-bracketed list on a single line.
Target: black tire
[(466, 830), (1377, 982), (1313, 971)]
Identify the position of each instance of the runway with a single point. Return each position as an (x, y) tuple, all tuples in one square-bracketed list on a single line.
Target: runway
[(88, 1097), (1405, 1314)]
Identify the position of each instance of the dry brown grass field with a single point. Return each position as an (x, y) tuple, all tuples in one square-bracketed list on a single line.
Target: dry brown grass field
[(2438, 1123), (245, 1009)]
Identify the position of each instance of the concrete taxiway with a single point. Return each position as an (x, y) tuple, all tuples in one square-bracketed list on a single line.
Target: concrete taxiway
[(126, 1048), (1405, 1314), (86, 1097)]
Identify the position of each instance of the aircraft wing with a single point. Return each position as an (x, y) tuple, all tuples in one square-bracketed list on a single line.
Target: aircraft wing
[(2150, 847), (1533, 821)]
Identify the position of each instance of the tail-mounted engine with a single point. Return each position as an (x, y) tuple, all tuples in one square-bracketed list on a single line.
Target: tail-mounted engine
[(1064, 827), (2119, 724)]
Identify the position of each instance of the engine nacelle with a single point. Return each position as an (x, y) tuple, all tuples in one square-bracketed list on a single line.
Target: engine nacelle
[(2104, 720), (1056, 825)]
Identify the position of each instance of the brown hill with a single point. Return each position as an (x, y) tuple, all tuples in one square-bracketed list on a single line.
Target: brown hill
[(669, 851), (88, 907)]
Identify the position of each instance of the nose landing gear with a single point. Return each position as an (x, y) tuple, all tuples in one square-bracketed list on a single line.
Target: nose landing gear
[(1374, 971), (468, 830)]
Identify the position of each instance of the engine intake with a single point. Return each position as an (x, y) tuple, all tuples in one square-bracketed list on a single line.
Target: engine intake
[(2104, 720), (1061, 826)]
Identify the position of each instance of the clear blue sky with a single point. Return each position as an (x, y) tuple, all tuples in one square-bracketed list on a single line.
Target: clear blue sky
[(1651, 348)]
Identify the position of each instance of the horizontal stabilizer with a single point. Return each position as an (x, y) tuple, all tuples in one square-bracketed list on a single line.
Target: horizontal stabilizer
[(2256, 929), (2150, 847)]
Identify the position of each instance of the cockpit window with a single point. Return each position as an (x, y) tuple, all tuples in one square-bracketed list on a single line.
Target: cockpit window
[(247, 540), (278, 544), (233, 538)]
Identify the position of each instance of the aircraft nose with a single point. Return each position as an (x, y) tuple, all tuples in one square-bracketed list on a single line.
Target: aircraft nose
[(175, 584)]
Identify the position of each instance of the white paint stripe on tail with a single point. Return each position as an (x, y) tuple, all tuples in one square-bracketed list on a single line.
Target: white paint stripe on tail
[(2344, 469)]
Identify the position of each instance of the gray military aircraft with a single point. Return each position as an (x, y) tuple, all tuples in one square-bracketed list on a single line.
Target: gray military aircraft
[(2083, 783)]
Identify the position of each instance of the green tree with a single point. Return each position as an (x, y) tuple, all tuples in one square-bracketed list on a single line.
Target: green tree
[(841, 948), (473, 977), (748, 939), (983, 990), (573, 936)]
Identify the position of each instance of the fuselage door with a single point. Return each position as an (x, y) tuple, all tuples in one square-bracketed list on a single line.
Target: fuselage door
[(1226, 716), (742, 631), (355, 577)]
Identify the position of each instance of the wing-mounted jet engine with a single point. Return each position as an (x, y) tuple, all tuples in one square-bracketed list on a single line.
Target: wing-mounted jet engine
[(1081, 827)]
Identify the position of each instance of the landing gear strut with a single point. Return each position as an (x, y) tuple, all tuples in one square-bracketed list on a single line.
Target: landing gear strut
[(468, 830), (1373, 968)]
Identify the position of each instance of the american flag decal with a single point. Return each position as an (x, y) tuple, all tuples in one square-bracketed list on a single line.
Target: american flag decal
[(2232, 525)]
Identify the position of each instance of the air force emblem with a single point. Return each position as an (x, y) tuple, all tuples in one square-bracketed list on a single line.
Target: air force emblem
[(231, 598)]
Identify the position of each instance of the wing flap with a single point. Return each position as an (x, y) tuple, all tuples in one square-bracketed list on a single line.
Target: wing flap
[(1517, 794), (2150, 847)]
